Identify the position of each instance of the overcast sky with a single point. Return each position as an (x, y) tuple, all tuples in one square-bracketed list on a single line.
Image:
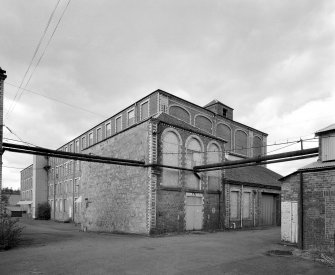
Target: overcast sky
[(272, 61)]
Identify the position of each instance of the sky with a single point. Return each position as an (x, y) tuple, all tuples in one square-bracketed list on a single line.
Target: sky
[(272, 61)]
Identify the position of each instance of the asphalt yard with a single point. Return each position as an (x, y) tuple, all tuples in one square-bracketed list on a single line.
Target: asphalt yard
[(56, 248)]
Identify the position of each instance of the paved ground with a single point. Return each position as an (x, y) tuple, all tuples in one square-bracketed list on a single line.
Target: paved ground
[(56, 248)]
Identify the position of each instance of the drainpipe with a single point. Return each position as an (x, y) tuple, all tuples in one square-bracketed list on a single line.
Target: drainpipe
[(301, 222), (55, 191), (241, 206), (254, 207)]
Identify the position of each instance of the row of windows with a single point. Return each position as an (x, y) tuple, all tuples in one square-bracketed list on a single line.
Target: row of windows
[(105, 130), (26, 173), (222, 130), (27, 184), (171, 155), (65, 169), (62, 205), (27, 195), (66, 187)]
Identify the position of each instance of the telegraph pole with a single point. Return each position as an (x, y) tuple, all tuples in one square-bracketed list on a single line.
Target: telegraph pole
[(3, 76)]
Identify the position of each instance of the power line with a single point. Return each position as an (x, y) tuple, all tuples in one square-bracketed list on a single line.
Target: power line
[(12, 132), (57, 100), (32, 59), (45, 49), (244, 148)]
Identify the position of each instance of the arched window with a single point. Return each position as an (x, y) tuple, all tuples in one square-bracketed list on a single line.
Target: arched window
[(223, 131), (203, 123), (170, 156), (241, 142), (257, 146), (180, 113), (194, 156), (214, 177)]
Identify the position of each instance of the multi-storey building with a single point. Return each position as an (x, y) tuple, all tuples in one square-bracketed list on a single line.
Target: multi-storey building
[(26, 185), (160, 129)]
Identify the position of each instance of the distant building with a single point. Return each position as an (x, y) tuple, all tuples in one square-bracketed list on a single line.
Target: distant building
[(161, 129), (12, 207), (308, 199)]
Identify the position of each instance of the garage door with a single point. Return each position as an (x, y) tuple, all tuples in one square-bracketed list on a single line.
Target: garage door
[(194, 212), (268, 209)]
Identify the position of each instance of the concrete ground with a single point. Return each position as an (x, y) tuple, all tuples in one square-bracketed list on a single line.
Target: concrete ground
[(55, 248)]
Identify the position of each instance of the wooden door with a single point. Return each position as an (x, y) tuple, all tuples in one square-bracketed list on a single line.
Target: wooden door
[(268, 209)]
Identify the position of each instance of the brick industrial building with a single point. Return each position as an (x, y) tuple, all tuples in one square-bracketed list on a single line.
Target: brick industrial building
[(167, 130), (308, 199)]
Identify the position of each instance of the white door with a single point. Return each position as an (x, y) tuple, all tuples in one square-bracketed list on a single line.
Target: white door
[(289, 221), (194, 212)]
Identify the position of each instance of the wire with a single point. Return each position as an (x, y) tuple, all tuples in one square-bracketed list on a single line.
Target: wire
[(45, 49), (18, 136), (13, 167), (32, 59), (244, 148), (57, 100), (282, 148)]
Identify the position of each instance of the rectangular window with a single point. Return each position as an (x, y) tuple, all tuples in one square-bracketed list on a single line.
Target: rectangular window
[(83, 143), (90, 139), (108, 129), (131, 117), (145, 110), (77, 146), (246, 205), (234, 209), (118, 124), (99, 134), (70, 186)]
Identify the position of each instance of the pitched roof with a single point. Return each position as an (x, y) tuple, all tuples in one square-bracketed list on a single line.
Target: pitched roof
[(215, 101), (317, 164), (326, 129), (311, 167), (253, 174)]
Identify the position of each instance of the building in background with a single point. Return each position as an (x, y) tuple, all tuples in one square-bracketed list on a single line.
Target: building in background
[(166, 130), (308, 199)]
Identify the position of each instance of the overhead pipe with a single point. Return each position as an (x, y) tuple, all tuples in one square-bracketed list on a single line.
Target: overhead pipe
[(92, 159), (258, 160), (45, 150), (261, 163)]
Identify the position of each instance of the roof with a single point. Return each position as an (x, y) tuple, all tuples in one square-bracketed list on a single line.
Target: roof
[(24, 202), (326, 129), (181, 124), (253, 174), (215, 101), (317, 165)]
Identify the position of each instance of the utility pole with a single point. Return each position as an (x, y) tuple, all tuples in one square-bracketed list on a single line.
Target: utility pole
[(3, 76)]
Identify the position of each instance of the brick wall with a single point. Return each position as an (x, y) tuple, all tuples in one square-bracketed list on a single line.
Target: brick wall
[(318, 207), (319, 210), (114, 198)]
